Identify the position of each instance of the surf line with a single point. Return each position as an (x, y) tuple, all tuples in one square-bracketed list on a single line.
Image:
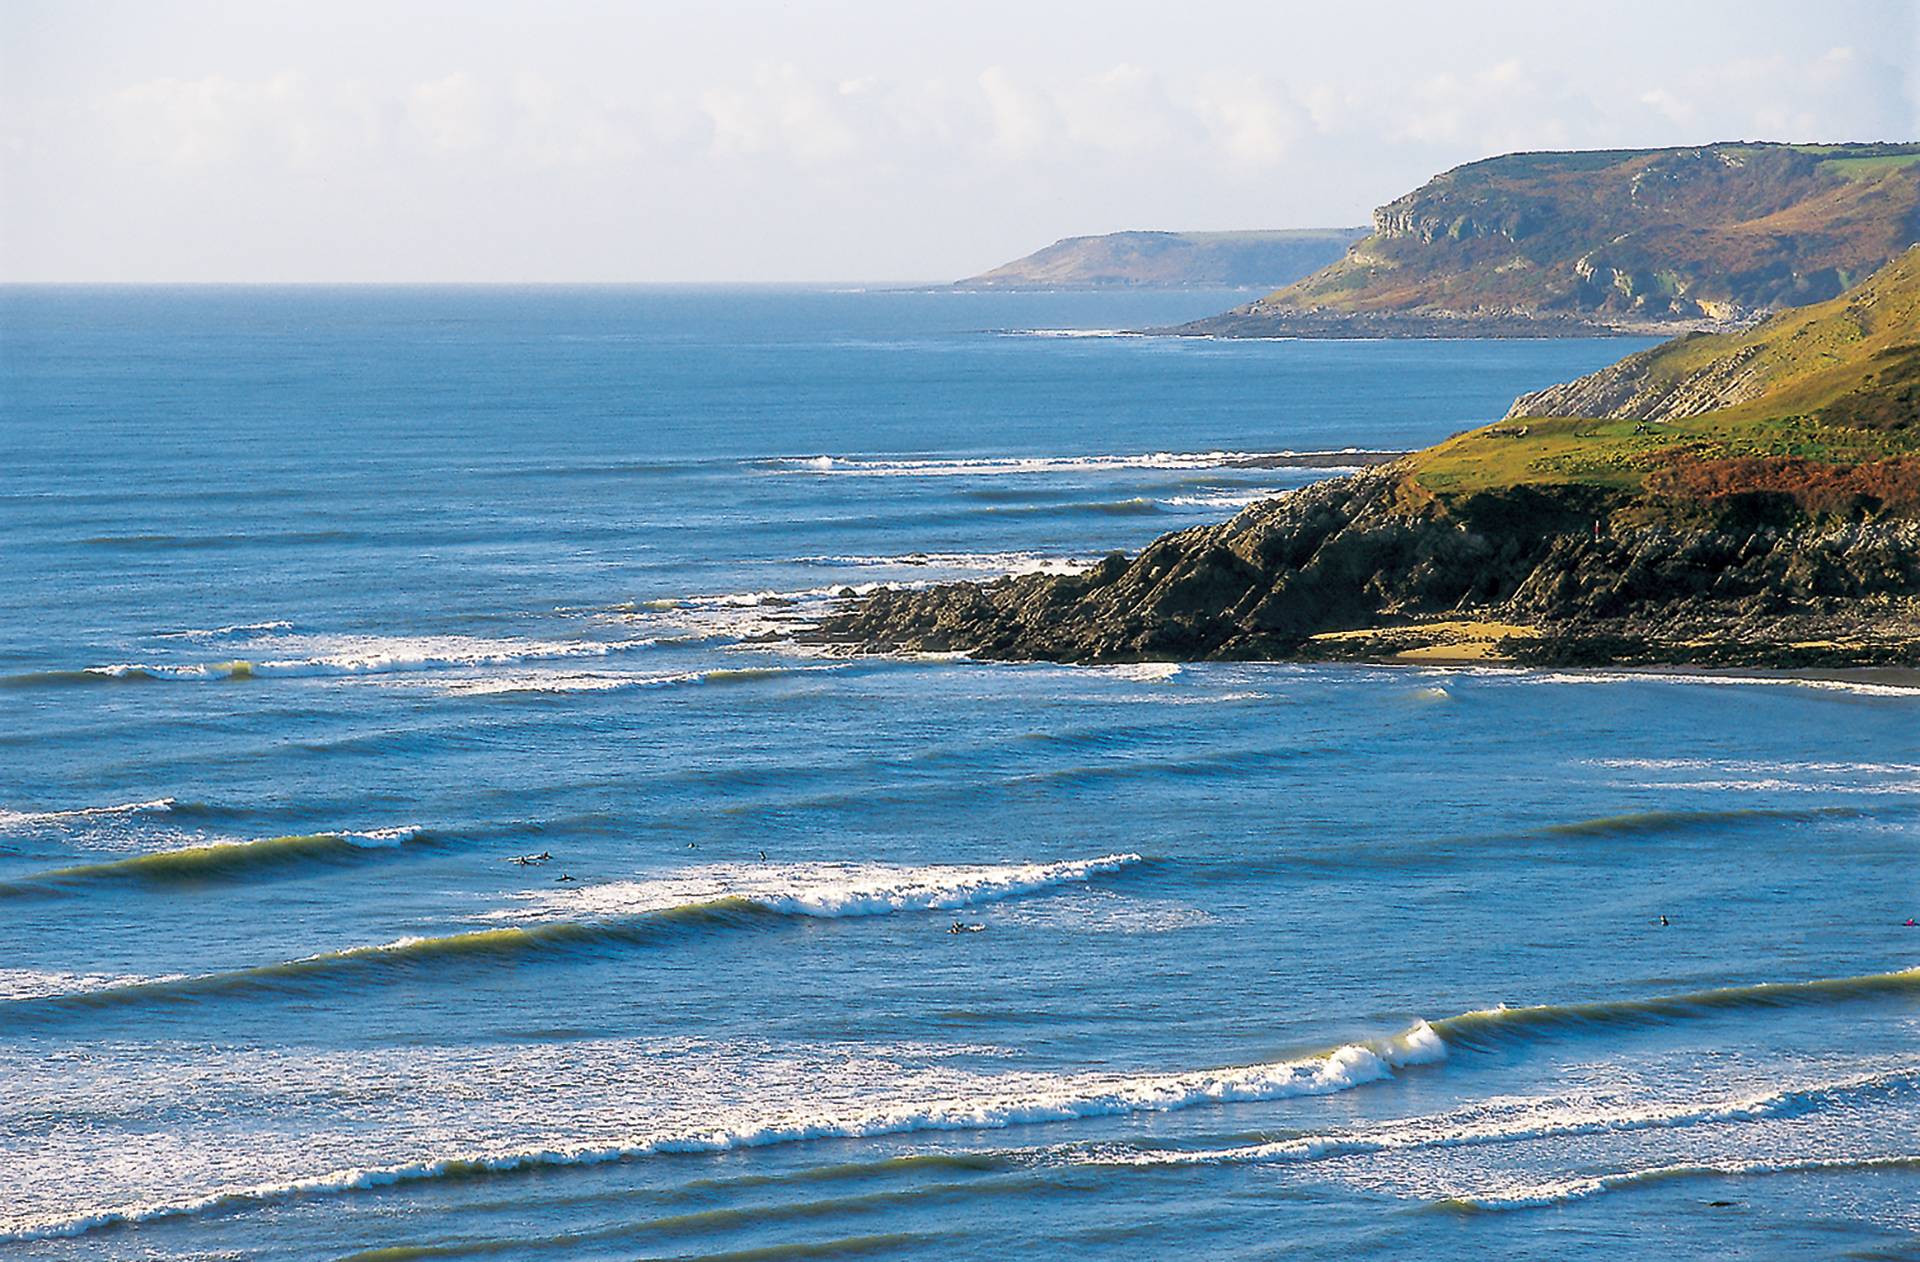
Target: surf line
[(1066, 1098), (933, 890)]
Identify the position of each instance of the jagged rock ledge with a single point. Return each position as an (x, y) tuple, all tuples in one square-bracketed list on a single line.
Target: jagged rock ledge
[(1366, 566)]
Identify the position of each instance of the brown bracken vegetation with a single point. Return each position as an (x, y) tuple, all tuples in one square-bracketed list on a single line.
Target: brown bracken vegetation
[(1818, 488)]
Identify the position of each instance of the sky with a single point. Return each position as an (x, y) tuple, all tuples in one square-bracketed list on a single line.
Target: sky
[(840, 140)]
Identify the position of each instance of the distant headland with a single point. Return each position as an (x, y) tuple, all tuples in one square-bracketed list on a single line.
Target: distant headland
[(1569, 244), (1173, 260)]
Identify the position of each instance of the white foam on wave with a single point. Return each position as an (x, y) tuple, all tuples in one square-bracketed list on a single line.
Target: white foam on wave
[(1511, 1121), (752, 615), (1139, 672), (29, 819), (1856, 687), (21, 984), (239, 630), (984, 1102), (350, 655), (1560, 1191), (1777, 784), (381, 838), (828, 890), (999, 466), (1748, 766), (588, 681), (1223, 500), (1106, 911), (959, 562), (1092, 333), (1751, 775)]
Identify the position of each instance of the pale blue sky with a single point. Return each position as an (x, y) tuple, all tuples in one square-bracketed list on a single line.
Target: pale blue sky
[(841, 140)]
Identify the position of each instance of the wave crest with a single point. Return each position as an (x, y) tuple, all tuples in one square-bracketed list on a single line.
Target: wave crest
[(221, 859), (1501, 1025), (1027, 1102), (618, 914)]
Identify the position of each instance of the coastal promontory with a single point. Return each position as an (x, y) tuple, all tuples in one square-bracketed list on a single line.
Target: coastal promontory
[(1656, 240), (1747, 498), (1173, 260)]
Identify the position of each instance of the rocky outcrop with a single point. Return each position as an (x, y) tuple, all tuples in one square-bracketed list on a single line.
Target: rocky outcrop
[(1749, 582), (1854, 361), (1631, 390), (1781, 528)]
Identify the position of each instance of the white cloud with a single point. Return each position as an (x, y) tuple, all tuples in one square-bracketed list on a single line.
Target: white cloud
[(220, 121), (1024, 122), (1231, 124), (857, 142)]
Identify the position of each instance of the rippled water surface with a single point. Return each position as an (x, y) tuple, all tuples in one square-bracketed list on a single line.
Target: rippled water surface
[(325, 607)]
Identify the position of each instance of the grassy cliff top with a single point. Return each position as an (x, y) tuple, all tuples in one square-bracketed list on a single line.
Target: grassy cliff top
[(1836, 383)]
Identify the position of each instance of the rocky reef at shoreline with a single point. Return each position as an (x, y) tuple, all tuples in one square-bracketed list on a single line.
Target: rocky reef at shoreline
[(1352, 568)]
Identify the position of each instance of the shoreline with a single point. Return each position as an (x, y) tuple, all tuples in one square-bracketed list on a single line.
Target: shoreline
[(1354, 567)]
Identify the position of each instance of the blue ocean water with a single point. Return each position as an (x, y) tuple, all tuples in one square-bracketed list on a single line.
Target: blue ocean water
[(322, 607)]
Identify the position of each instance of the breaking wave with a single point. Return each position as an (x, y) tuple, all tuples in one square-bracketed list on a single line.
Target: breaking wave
[(339, 656), (1020, 1099), (960, 562), (1856, 687), (221, 859), (630, 913), (1139, 672), (1222, 500), (1541, 1195), (1490, 1026), (33, 819), (1053, 1098), (588, 681), (997, 466), (238, 631), (1508, 1121)]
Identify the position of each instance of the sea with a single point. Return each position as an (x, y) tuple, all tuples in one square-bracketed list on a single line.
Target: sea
[(426, 831)]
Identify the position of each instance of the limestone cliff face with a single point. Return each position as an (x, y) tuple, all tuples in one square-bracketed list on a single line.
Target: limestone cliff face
[(1629, 239), (1747, 584)]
